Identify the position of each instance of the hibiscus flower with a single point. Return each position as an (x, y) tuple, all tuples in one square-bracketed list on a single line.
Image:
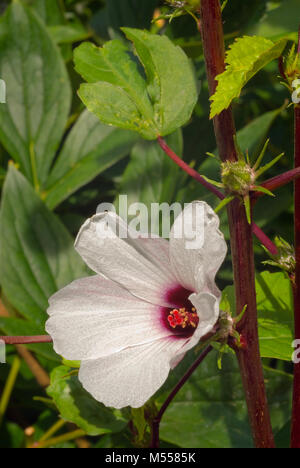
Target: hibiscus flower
[(150, 301)]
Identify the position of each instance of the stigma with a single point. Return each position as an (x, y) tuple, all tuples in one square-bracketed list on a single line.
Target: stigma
[(182, 318)]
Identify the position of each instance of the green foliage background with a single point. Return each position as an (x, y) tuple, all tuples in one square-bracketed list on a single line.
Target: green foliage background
[(58, 162)]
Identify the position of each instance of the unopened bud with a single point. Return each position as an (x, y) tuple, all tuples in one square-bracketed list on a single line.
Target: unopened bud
[(285, 258), (237, 176), (192, 4), (226, 325)]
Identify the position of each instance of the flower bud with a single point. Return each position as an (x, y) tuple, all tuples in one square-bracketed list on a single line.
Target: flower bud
[(292, 66), (191, 4), (238, 177), (285, 259)]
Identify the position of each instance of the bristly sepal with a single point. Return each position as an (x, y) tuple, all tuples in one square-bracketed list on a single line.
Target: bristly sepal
[(284, 259), (239, 178), (289, 67)]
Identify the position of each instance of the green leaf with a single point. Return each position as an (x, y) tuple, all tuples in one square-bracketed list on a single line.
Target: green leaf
[(274, 296), (113, 106), (172, 89), (11, 436), (61, 29), (280, 20), (110, 64), (210, 410), (270, 208), (275, 339), (79, 407), (2, 176), (36, 252), (118, 13), (132, 13), (245, 57), (139, 421), (48, 10), (275, 314), (283, 436), (38, 92), (252, 137), (89, 149), (118, 93), (68, 33)]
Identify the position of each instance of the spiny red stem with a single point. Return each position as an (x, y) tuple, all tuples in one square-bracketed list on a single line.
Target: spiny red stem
[(295, 437), (262, 237), (279, 181), (189, 170), (14, 340), (241, 239), (170, 398)]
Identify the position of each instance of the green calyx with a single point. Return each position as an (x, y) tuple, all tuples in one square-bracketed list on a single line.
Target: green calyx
[(226, 325), (182, 7), (194, 4), (290, 70), (226, 329), (285, 259), (237, 177), (292, 66)]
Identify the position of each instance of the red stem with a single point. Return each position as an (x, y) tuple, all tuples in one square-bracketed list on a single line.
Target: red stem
[(262, 237), (189, 170), (279, 181), (295, 438), (14, 340), (241, 240), (170, 398)]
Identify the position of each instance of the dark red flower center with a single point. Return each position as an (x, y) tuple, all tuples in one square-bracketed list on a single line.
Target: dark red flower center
[(182, 319)]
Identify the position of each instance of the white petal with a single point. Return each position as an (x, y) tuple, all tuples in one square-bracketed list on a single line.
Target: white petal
[(197, 247), (131, 377), (140, 265), (94, 317), (207, 306)]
